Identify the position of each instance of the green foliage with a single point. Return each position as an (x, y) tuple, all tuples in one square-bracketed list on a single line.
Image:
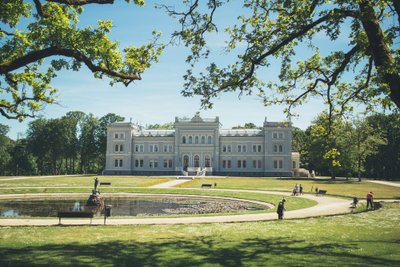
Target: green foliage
[(5, 144), (289, 31), (248, 125), (53, 29), (366, 239), (165, 126), (343, 147)]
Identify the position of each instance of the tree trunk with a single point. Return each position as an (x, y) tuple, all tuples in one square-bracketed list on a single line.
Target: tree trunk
[(396, 4), (380, 52)]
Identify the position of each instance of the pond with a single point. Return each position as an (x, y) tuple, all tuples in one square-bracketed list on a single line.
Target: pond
[(127, 206)]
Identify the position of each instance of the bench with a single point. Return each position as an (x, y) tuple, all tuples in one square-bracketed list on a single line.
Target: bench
[(206, 185), (321, 192), (74, 214), (105, 183)]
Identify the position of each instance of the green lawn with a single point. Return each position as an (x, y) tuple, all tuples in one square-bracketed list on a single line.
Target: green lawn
[(364, 239), (83, 181), (339, 187)]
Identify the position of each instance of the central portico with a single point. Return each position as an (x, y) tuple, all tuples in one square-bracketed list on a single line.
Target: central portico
[(198, 145)]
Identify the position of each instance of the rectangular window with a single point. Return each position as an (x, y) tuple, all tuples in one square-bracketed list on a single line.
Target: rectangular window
[(242, 148), (119, 135), (278, 135), (153, 148), (168, 148), (153, 164), (254, 164), (224, 164), (167, 163), (241, 164), (229, 164), (138, 163), (118, 163), (224, 148), (229, 148), (139, 148), (278, 164), (254, 148)]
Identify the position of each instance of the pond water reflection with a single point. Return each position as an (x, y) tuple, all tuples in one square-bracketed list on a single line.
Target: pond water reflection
[(126, 206)]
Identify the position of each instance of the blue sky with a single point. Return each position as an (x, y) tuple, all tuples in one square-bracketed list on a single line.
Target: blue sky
[(156, 98)]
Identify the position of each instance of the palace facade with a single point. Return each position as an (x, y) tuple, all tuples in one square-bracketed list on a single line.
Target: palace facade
[(199, 146)]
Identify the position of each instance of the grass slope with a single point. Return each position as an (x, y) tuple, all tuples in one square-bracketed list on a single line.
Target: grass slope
[(364, 239)]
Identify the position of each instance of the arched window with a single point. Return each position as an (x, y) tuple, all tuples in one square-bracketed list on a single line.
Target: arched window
[(196, 139), (280, 148), (183, 139), (209, 140), (190, 139), (196, 161), (203, 139), (207, 161)]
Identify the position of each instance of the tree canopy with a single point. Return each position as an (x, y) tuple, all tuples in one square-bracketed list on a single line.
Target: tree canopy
[(290, 31), (53, 32)]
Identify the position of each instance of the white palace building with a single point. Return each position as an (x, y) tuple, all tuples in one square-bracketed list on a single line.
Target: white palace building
[(199, 146)]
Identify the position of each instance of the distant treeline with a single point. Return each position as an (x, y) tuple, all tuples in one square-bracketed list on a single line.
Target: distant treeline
[(73, 144), (76, 144)]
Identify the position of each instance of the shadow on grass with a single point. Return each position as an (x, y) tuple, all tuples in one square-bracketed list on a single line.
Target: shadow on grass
[(193, 252)]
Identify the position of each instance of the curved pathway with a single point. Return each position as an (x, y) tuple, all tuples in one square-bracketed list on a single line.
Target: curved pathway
[(326, 206)]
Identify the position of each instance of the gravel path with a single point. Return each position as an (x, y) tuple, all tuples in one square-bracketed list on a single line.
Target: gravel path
[(326, 206), (397, 184)]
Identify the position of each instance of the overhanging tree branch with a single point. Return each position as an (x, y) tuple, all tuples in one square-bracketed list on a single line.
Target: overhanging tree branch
[(34, 56), (81, 2), (336, 13)]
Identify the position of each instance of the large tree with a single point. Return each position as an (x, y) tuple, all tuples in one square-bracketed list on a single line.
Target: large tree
[(362, 64), (51, 31)]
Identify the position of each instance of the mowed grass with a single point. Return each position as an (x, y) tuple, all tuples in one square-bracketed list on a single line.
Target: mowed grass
[(339, 187), (82, 181), (364, 239)]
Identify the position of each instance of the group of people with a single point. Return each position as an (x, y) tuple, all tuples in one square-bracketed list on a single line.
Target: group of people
[(297, 190)]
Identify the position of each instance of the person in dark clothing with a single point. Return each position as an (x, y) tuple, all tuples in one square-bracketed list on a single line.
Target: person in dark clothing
[(301, 189), (96, 183), (370, 200), (281, 208)]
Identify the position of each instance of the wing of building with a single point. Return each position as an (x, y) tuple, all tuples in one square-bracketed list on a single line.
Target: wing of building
[(199, 146)]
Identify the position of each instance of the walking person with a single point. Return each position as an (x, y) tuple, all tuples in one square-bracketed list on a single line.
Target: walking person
[(281, 208), (370, 200), (301, 189)]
